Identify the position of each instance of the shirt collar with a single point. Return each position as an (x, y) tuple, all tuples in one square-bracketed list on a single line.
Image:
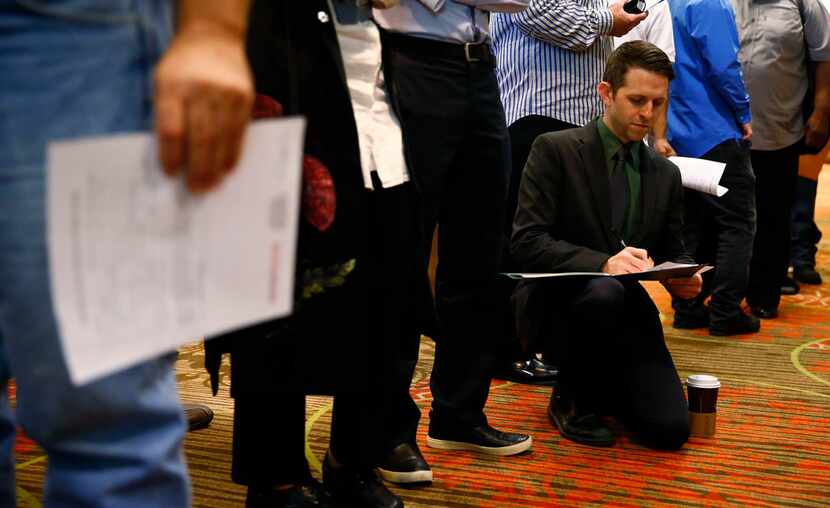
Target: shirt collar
[(611, 144)]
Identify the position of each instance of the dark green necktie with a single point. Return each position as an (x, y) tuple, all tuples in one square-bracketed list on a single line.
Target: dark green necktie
[(619, 190)]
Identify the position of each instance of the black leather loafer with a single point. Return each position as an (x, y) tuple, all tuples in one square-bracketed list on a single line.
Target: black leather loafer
[(309, 494), (583, 428), (806, 274), (736, 325), (765, 312), (198, 416), (530, 372), (405, 464), (789, 287), (483, 439), (357, 487)]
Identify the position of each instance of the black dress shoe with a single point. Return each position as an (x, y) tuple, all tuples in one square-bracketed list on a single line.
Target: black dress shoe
[(738, 324), (198, 416), (405, 464), (789, 287), (696, 317), (483, 439), (806, 274), (309, 494), (765, 312), (357, 487), (582, 427), (530, 372)]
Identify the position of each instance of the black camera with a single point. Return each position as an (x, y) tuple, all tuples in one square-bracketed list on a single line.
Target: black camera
[(634, 6)]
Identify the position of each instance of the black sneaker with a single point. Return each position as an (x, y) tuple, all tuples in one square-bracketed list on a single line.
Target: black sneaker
[(483, 439), (309, 494), (789, 287), (738, 324), (806, 274), (357, 487), (405, 464), (581, 427)]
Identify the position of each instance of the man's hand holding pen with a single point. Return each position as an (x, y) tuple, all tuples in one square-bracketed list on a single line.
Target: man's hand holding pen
[(628, 260)]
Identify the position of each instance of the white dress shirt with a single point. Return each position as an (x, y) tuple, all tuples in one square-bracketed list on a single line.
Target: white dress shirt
[(378, 129), (656, 29)]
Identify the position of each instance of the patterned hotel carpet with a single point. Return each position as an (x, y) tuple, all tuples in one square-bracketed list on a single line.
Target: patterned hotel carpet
[(772, 446)]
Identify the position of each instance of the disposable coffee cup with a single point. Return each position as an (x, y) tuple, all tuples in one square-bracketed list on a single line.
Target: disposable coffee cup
[(703, 404)]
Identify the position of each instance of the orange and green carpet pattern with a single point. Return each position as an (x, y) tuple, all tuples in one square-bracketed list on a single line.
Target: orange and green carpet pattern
[(772, 445)]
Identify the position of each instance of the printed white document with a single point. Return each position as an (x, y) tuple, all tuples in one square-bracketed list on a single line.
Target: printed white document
[(701, 174), (140, 266), (663, 271)]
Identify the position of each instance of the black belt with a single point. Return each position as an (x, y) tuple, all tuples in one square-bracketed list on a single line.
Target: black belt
[(470, 52)]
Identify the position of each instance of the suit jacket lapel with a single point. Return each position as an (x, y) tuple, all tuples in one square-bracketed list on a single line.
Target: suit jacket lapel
[(596, 173)]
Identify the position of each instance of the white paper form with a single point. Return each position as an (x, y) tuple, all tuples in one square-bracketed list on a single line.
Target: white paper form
[(140, 266), (701, 174)]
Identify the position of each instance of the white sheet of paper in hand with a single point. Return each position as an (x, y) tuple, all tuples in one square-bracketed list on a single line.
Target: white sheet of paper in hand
[(140, 266), (701, 174)]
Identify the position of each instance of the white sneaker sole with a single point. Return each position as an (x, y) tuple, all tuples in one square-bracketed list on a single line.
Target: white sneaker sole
[(405, 477), (501, 451)]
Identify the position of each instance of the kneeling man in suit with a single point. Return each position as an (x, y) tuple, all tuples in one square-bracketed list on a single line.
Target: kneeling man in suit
[(597, 199)]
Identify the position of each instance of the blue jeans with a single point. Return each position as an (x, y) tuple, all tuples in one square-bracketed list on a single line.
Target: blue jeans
[(72, 68)]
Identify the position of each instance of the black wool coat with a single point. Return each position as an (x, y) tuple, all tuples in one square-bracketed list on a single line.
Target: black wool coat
[(322, 348)]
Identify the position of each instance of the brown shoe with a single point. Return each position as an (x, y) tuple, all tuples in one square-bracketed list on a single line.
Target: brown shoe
[(198, 416)]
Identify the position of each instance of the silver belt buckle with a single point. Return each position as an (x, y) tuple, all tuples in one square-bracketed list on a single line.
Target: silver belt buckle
[(467, 52)]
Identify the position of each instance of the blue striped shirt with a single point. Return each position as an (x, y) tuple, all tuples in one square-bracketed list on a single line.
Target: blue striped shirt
[(551, 58)]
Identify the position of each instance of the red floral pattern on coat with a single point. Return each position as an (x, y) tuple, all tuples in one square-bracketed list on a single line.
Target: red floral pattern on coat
[(319, 198), (319, 201), (266, 107)]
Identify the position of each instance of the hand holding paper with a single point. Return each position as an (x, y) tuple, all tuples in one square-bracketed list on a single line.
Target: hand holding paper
[(140, 266)]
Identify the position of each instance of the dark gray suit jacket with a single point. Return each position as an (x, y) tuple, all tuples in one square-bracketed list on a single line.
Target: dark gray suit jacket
[(563, 221)]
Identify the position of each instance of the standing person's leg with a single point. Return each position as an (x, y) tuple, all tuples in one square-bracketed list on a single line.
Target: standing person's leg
[(804, 233), (386, 418), (734, 216), (516, 364), (116, 440), (8, 430), (777, 171), (269, 449), (692, 313), (470, 237)]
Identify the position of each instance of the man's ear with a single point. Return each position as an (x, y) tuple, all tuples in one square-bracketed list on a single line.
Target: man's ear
[(605, 92)]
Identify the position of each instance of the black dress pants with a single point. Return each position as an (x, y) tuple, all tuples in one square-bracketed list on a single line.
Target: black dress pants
[(804, 233), (776, 172), (269, 431), (523, 132), (457, 147), (614, 359), (720, 231)]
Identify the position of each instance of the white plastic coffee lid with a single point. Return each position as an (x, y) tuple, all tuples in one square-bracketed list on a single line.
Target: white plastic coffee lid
[(703, 381)]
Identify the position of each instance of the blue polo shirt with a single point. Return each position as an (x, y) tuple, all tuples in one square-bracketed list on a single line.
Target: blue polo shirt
[(708, 100)]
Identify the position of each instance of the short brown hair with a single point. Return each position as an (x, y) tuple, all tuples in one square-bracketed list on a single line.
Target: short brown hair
[(639, 55)]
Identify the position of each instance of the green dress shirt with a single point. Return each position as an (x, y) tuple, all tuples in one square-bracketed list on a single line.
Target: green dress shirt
[(611, 143)]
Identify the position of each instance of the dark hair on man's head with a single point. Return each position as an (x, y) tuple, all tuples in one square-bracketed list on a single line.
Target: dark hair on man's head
[(639, 55)]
